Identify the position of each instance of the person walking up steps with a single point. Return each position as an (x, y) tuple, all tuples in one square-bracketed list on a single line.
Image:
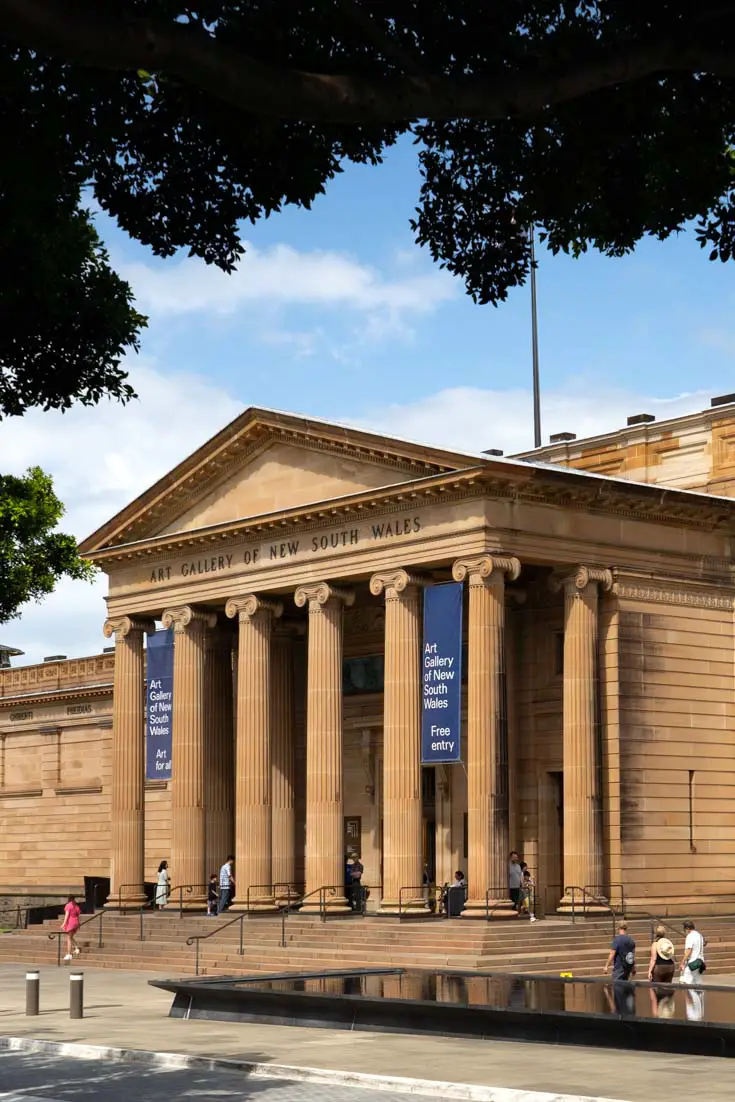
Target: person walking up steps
[(692, 963), (622, 955), (69, 926), (662, 962)]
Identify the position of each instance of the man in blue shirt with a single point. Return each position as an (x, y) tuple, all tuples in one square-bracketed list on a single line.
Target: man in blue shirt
[(622, 955), (226, 885)]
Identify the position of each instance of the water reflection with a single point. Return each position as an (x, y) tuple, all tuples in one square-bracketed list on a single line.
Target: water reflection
[(518, 993)]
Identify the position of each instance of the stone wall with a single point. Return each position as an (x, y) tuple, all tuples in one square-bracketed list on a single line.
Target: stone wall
[(677, 744)]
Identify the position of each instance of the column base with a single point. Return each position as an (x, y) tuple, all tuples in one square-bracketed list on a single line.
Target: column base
[(497, 908), (407, 906), (334, 904), (581, 908), (127, 903), (259, 906)]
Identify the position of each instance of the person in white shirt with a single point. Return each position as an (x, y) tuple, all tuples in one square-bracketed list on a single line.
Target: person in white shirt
[(692, 963)]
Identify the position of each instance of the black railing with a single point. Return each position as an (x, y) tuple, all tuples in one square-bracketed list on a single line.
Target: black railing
[(423, 902), (58, 934), (498, 902), (270, 895), (583, 902), (15, 918), (612, 893), (323, 894)]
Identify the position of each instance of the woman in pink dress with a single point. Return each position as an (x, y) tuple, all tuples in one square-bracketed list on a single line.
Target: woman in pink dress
[(69, 926)]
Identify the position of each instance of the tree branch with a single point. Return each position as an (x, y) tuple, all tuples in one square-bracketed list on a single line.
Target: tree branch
[(99, 39)]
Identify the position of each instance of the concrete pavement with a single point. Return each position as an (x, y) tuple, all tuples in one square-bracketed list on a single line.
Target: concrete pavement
[(122, 1011)]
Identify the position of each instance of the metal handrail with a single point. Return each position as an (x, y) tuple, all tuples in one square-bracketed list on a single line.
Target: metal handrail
[(423, 899), (600, 893), (587, 897), (497, 897), (271, 890), (284, 910), (20, 915), (58, 934), (654, 922)]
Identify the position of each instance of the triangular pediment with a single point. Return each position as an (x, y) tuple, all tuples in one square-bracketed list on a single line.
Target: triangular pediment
[(281, 476), (263, 462)]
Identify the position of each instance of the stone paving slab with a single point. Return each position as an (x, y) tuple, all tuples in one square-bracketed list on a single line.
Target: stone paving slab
[(122, 1011)]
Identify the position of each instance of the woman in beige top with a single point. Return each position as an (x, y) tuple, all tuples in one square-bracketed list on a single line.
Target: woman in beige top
[(662, 966)]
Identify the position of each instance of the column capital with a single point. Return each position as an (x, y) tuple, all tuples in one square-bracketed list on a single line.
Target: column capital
[(580, 577), (320, 593), (394, 582), (248, 607), (181, 617), (478, 568), (122, 626)]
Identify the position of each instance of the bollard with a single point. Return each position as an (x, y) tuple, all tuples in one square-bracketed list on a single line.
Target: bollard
[(33, 983), (76, 995)]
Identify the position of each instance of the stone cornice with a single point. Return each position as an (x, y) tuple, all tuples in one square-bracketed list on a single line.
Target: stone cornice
[(516, 482), (673, 592), (51, 696)]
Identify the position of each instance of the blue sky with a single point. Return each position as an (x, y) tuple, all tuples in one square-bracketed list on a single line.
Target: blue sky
[(336, 313)]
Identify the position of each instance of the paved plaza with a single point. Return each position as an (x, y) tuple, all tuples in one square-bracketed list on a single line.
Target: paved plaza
[(123, 1012)]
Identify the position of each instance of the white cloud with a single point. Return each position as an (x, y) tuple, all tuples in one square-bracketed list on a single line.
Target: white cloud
[(100, 459), (474, 419), (281, 276)]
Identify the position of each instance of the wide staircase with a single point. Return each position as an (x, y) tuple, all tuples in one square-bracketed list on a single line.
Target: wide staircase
[(547, 947)]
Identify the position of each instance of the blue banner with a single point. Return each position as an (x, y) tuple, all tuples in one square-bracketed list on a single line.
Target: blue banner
[(441, 674), (159, 705)]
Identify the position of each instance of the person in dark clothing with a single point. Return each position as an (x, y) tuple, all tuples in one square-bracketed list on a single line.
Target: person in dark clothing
[(622, 955), (356, 870), (212, 895)]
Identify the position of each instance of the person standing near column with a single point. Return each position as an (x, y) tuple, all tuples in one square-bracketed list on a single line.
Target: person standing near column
[(226, 885), (515, 878)]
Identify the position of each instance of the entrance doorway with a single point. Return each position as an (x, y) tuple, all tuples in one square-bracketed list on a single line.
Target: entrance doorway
[(550, 887)]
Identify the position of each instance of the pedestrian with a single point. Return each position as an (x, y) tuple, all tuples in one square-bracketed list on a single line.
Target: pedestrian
[(357, 869), (69, 926), (212, 895), (226, 885), (692, 963), (515, 878), (662, 964), (622, 955), (162, 885), (527, 892)]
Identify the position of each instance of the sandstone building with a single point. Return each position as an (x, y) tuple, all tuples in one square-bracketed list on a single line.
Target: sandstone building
[(289, 557)]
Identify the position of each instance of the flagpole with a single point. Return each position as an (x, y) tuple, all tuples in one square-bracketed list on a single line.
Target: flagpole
[(534, 348)]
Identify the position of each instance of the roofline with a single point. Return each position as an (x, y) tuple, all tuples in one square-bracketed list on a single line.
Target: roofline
[(646, 427), (433, 456), (672, 503)]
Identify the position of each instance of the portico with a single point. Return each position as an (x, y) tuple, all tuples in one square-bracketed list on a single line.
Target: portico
[(290, 559)]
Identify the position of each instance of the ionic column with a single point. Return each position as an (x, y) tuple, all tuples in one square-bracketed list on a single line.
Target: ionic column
[(188, 825), (283, 761), (324, 795), (402, 822), (487, 728), (583, 865), (253, 827), (128, 762), (219, 746)]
